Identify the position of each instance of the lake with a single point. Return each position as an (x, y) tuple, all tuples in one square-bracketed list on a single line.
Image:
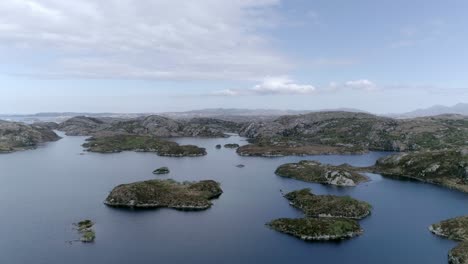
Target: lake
[(44, 191)]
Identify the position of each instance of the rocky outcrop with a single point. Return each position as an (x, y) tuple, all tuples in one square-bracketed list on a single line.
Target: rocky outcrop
[(85, 228), (327, 217), (162, 170), (448, 168), (454, 229), (231, 145), (119, 143), (165, 193), (152, 125), (18, 136), (347, 132), (315, 172), (330, 206)]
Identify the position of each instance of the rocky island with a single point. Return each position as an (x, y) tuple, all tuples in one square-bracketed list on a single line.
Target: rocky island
[(448, 168), (162, 170), (165, 193), (85, 228), (454, 229), (311, 229), (231, 145), (16, 136), (327, 217), (316, 172), (328, 205), (119, 143)]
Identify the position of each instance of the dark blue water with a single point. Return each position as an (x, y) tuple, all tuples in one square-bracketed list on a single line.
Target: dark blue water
[(44, 191)]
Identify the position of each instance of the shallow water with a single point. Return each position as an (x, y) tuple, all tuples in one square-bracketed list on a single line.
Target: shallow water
[(44, 191)]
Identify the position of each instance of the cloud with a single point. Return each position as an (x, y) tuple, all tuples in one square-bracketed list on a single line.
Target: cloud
[(281, 85), (362, 84), (156, 39)]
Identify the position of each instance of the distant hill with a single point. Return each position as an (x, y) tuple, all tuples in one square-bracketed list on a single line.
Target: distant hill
[(460, 109)]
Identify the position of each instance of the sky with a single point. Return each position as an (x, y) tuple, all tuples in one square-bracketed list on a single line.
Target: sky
[(385, 56)]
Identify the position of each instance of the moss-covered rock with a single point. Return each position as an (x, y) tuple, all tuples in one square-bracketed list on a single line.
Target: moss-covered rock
[(85, 228), (165, 193), (328, 205), (314, 171), (119, 143), (317, 228), (454, 229), (231, 145), (448, 168), (162, 170)]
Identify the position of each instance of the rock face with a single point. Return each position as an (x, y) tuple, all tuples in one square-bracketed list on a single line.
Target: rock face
[(165, 193), (328, 205), (153, 125), (347, 132), (327, 217), (316, 228), (455, 229), (18, 136), (313, 171), (162, 170), (448, 168), (119, 143)]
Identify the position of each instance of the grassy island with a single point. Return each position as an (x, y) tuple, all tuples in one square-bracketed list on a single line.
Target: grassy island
[(165, 193), (327, 217), (119, 143), (315, 172)]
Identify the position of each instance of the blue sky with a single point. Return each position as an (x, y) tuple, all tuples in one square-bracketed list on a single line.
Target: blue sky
[(153, 56)]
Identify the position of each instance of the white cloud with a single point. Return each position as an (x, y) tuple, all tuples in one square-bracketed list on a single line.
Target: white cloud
[(362, 84), (281, 85), (207, 39)]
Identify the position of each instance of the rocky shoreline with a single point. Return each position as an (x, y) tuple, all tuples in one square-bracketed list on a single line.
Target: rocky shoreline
[(16, 136), (454, 229)]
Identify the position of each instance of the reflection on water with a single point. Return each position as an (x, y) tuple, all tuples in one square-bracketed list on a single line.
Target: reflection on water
[(42, 192)]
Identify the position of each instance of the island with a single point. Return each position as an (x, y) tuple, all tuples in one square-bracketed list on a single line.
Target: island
[(310, 229), (119, 143), (326, 217), (165, 193), (454, 229), (162, 170), (85, 228), (448, 167), (330, 206), (315, 172), (231, 145)]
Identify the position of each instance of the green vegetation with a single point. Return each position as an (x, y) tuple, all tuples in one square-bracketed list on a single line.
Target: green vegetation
[(317, 228), (165, 193), (454, 229), (327, 217), (448, 168), (118, 143), (313, 171), (85, 229), (328, 205), (162, 170), (231, 145)]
